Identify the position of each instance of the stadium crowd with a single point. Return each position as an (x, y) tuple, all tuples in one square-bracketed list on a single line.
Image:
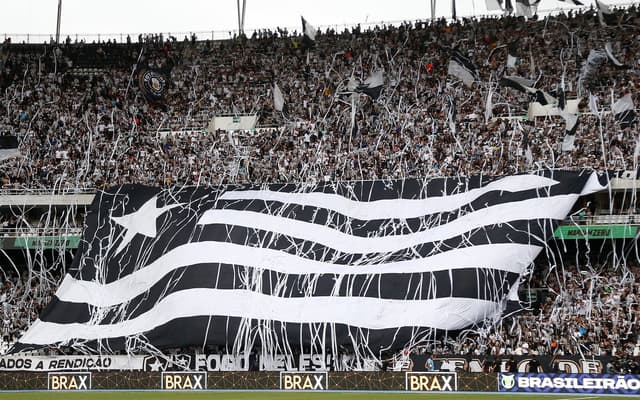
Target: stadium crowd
[(82, 121), (588, 311)]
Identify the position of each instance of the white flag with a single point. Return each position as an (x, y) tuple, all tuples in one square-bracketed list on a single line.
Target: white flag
[(278, 100)]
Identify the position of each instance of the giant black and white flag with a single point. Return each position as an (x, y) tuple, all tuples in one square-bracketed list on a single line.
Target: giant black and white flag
[(462, 68), (365, 265)]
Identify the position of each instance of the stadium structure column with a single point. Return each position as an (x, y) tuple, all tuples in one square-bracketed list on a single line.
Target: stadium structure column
[(241, 14), (58, 22), (433, 10)]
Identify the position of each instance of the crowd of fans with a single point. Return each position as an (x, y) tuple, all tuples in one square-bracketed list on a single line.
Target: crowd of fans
[(587, 311), (23, 296), (82, 121)]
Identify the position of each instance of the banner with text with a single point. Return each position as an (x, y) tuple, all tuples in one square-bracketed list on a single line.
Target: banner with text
[(570, 383)]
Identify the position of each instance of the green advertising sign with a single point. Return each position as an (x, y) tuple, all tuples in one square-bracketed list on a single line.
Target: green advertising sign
[(46, 242), (596, 232)]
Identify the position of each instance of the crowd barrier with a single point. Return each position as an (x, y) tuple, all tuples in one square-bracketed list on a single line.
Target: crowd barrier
[(298, 362), (243, 380), (454, 372), (318, 381)]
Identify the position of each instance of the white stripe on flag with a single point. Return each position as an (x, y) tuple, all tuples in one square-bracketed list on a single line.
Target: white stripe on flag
[(395, 208), (556, 207), (363, 312), (509, 257)]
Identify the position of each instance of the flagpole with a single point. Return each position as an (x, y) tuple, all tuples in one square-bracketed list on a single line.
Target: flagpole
[(58, 22)]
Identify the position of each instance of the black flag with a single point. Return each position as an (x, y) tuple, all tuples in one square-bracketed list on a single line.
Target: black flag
[(575, 2), (308, 34), (512, 54), (519, 83), (462, 68), (624, 111), (605, 14), (153, 84), (8, 147), (373, 85)]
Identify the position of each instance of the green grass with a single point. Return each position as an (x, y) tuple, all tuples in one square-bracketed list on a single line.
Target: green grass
[(288, 396)]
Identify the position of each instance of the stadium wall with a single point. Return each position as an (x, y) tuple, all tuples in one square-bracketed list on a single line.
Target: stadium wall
[(187, 380)]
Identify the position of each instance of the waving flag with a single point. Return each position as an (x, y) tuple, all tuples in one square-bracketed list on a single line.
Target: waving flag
[(9, 147), (462, 68), (153, 84), (308, 34), (591, 66), (519, 83), (614, 60), (575, 2), (365, 264), (372, 86), (513, 54), (527, 8), (606, 16), (278, 99), (624, 111)]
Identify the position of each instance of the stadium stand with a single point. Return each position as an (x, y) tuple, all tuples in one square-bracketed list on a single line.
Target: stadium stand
[(82, 122)]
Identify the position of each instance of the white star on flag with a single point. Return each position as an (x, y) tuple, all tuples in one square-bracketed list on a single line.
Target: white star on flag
[(156, 366), (141, 222)]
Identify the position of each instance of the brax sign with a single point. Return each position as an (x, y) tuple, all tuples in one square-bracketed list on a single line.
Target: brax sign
[(69, 380), (431, 381), (184, 380), (303, 380)]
